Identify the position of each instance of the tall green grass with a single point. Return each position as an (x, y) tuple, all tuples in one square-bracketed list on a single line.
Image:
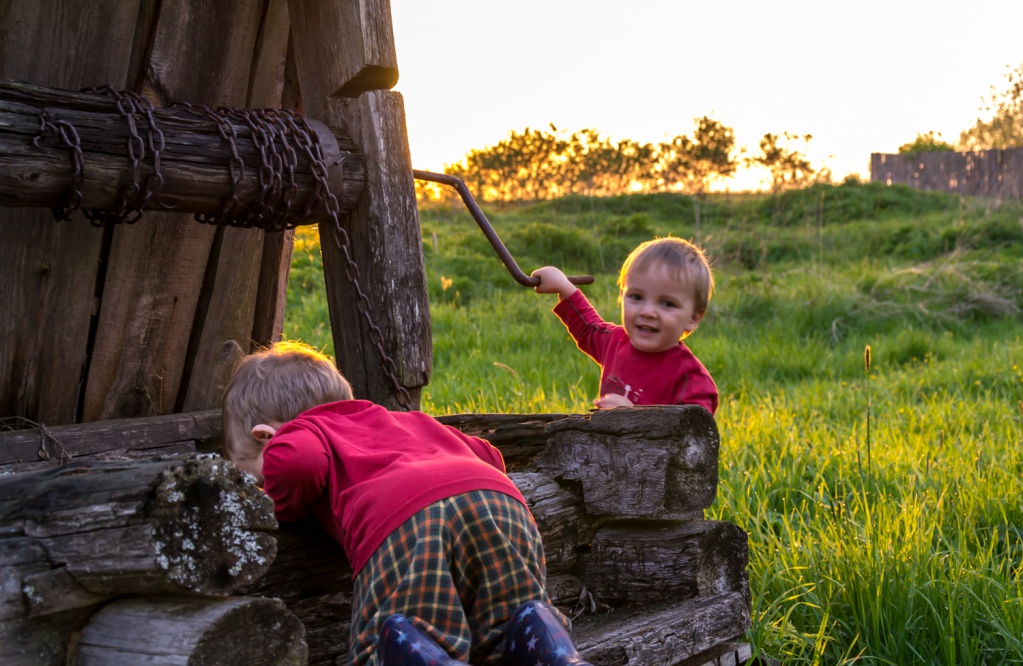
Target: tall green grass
[(914, 558)]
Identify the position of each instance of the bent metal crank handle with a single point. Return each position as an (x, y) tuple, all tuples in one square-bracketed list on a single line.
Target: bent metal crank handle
[(488, 230)]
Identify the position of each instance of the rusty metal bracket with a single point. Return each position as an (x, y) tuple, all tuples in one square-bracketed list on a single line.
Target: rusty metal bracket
[(488, 230)]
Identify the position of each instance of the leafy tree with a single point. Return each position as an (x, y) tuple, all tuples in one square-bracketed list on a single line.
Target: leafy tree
[(692, 164), (925, 143), (789, 167), (1005, 127)]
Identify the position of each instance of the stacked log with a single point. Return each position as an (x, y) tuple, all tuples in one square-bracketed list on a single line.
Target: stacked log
[(618, 497), (78, 536)]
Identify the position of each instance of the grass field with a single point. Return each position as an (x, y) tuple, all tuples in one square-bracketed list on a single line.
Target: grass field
[(884, 508)]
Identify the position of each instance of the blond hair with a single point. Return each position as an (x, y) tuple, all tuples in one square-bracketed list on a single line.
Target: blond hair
[(677, 254), (276, 384)]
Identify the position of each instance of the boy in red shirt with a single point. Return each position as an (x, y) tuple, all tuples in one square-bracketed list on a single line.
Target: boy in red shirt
[(665, 285), (447, 559)]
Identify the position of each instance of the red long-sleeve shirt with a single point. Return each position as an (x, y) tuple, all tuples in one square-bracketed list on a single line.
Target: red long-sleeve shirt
[(363, 471), (671, 377)]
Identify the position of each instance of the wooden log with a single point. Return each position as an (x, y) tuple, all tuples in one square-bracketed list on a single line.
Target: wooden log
[(661, 635), (38, 446), (647, 562), (312, 576), (193, 526), (195, 163), (560, 517), (350, 41), (520, 437), (641, 462), (50, 270), (153, 630)]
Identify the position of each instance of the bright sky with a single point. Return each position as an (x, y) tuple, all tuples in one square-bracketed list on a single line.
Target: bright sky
[(861, 77)]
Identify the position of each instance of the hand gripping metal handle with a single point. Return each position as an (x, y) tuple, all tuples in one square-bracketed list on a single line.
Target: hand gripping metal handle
[(488, 230)]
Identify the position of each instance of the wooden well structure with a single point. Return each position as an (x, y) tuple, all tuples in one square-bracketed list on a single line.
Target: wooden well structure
[(123, 537)]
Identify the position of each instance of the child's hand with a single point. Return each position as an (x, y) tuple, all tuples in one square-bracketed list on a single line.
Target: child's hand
[(612, 400), (553, 281)]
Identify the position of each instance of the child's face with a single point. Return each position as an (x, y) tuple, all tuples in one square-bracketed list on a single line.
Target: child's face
[(252, 465), (250, 461), (657, 308)]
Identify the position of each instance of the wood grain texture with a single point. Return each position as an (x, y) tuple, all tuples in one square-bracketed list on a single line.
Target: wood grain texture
[(155, 630), (195, 159), (383, 233), (648, 562), (386, 245), (642, 462), (50, 269), (351, 42), (195, 526), (661, 635), (157, 337), (130, 438)]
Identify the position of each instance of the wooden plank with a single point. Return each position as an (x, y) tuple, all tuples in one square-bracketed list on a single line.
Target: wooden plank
[(244, 265), (269, 74), (119, 437), (158, 338), (229, 320), (351, 43), (152, 630), (384, 239), (50, 269)]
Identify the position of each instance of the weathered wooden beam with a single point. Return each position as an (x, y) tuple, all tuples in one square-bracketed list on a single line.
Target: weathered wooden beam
[(385, 244), (39, 446), (160, 630), (383, 236), (197, 163), (351, 42)]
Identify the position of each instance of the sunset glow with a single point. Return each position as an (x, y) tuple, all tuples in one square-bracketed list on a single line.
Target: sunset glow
[(860, 77)]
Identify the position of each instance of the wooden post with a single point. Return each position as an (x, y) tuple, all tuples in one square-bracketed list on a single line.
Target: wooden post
[(385, 243), (349, 41)]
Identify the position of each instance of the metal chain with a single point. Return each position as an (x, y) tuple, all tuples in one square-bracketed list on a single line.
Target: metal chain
[(275, 210), (66, 131), (279, 135), (311, 143)]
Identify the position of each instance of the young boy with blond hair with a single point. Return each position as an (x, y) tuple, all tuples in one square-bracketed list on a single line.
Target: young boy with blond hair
[(664, 286), (447, 560)]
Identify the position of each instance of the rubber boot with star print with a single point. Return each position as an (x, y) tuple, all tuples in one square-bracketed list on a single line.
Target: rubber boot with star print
[(535, 635), (404, 644)]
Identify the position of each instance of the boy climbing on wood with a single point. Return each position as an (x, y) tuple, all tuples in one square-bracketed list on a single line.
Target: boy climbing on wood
[(448, 563), (664, 287)]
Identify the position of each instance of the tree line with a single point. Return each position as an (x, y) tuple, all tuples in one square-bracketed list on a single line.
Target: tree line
[(1000, 128), (549, 163)]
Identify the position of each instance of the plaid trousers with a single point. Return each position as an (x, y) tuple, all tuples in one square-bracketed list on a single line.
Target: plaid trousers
[(458, 568)]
